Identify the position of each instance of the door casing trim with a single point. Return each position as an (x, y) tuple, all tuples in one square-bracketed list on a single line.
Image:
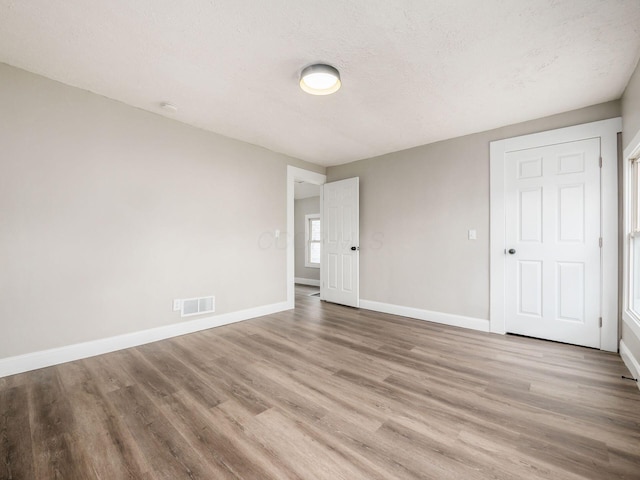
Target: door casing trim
[(607, 131)]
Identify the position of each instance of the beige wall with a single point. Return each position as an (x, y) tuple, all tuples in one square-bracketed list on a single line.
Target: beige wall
[(108, 212), (631, 341), (630, 127), (416, 207), (304, 206)]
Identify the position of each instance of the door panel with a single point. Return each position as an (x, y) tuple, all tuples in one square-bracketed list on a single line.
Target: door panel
[(340, 264), (530, 288), (570, 283), (571, 213), (530, 215), (552, 196)]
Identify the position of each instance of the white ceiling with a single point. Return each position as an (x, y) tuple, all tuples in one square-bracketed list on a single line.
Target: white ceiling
[(413, 71)]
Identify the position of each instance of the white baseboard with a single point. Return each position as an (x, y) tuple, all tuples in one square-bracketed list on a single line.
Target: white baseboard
[(308, 281), (630, 361), (55, 356), (428, 315)]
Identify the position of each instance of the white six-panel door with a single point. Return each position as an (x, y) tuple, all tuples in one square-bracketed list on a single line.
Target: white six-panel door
[(552, 207), (340, 247)]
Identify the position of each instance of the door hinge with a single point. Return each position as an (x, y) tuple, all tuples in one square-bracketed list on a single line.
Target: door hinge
[(601, 161), (600, 242), (600, 322)]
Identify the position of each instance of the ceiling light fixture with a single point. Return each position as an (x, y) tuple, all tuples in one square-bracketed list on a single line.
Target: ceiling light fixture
[(320, 79)]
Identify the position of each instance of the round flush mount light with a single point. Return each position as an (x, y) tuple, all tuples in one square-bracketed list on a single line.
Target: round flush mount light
[(320, 79)]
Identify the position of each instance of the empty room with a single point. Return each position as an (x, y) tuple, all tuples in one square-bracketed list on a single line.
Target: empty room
[(339, 240)]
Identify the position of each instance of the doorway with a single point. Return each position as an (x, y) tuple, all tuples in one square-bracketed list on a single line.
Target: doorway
[(297, 176), (307, 236), (554, 235)]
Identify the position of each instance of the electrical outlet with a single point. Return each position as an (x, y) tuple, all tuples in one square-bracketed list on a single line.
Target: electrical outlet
[(177, 305)]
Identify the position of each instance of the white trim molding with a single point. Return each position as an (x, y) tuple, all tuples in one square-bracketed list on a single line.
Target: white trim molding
[(56, 356), (607, 131), (632, 152), (427, 315), (308, 281), (293, 174), (630, 361)]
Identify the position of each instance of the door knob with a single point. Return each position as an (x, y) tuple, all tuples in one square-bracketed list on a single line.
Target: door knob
[(512, 251), (355, 248)]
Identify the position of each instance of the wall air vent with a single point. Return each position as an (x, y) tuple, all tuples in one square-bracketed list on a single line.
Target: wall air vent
[(198, 306)]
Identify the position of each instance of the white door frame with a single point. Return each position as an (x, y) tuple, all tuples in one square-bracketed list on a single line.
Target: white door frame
[(293, 174), (607, 131)]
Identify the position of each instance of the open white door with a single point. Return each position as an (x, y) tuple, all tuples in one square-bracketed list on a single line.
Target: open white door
[(339, 273)]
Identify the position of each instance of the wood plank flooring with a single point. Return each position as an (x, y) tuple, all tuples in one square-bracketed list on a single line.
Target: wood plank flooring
[(326, 392)]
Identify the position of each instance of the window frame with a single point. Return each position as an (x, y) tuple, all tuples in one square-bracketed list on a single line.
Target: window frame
[(308, 241), (635, 195), (631, 219)]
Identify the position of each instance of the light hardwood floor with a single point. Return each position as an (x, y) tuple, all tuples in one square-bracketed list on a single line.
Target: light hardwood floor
[(326, 392)]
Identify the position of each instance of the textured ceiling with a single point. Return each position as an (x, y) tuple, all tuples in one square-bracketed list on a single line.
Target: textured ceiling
[(413, 71)]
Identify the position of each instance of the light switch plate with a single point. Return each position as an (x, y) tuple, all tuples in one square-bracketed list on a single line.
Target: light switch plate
[(177, 305), (473, 235)]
